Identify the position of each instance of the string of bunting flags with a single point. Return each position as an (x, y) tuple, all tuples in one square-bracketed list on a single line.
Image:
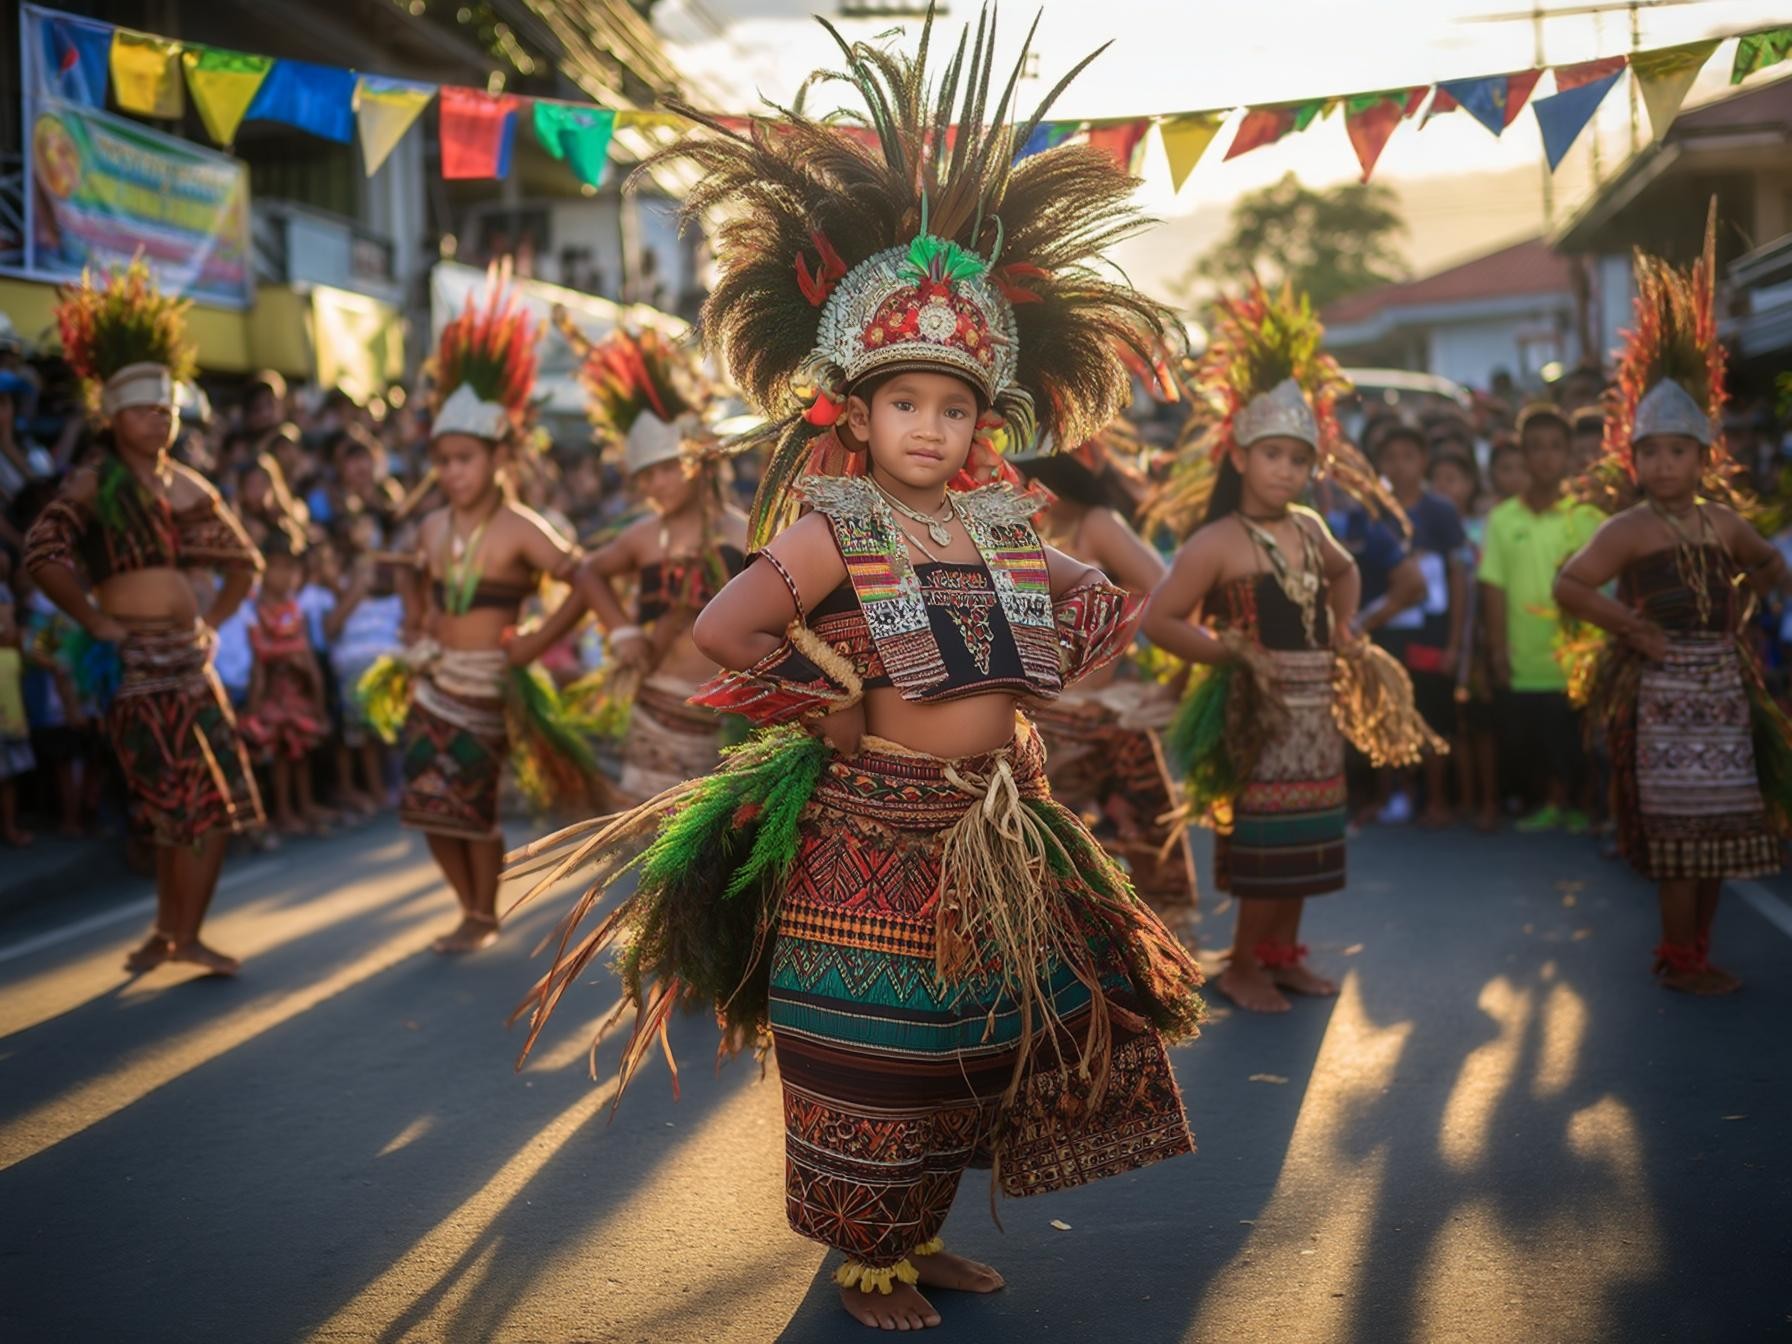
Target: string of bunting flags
[(149, 76)]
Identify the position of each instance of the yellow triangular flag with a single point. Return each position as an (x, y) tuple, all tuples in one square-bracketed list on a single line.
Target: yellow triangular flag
[(144, 79), (384, 111), (640, 120), (223, 84), (1665, 76), (1185, 140)]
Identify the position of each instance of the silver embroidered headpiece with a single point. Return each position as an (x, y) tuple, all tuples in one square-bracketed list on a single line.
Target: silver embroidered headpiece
[(1668, 408), (1283, 411), (464, 413)]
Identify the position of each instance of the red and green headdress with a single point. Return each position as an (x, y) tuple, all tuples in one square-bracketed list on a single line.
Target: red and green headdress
[(647, 400), (485, 365), (914, 237), (1263, 375), (126, 340)]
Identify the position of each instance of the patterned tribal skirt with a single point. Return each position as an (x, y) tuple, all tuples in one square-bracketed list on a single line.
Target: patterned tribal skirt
[(453, 746), (176, 738), (1684, 786), (668, 741), (1095, 762), (893, 1082), (1287, 833)]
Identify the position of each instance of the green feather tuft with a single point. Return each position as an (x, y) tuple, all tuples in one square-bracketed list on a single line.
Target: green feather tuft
[(385, 695), (1195, 742)]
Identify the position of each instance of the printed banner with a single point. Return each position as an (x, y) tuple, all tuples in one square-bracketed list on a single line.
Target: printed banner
[(102, 187)]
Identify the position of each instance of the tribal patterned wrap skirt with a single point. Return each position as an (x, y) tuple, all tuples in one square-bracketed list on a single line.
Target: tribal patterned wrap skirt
[(894, 1080), (668, 740), (1096, 760), (453, 745), (176, 738), (1686, 795), (1287, 834)]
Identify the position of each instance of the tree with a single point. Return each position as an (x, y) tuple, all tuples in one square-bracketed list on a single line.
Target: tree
[(1328, 243)]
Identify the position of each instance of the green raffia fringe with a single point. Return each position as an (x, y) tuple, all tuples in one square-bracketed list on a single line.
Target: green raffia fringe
[(1773, 754), (602, 708), (555, 766), (385, 695), (1196, 741), (735, 836)]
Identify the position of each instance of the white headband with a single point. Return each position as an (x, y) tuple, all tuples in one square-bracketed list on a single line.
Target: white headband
[(137, 385)]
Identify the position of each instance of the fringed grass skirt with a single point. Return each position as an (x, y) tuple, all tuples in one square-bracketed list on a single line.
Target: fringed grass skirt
[(176, 738), (1094, 761), (1686, 794), (894, 1081), (1287, 834), (453, 746), (668, 740)]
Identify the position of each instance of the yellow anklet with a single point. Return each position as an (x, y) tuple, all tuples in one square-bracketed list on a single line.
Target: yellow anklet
[(852, 1274), (933, 1247)]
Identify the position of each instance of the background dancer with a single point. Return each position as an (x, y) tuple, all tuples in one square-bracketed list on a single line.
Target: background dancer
[(1259, 735), (113, 552), (649, 402), (1701, 755)]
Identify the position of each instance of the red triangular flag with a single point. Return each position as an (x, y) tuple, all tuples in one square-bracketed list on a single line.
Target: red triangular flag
[(1370, 128), (1518, 91), (1573, 76), (1120, 139), (476, 129), (1261, 126)]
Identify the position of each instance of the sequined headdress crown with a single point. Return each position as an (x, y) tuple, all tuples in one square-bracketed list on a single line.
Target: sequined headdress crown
[(485, 364), (125, 339), (911, 235), (1263, 375)]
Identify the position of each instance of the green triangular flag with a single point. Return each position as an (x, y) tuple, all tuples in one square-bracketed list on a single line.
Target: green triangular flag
[(1757, 51), (578, 136), (223, 84)]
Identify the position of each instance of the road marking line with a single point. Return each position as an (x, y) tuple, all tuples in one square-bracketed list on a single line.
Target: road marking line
[(1770, 907), (131, 910)]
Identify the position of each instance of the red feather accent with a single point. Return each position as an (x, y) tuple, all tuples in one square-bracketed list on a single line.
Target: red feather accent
[(824, 411)]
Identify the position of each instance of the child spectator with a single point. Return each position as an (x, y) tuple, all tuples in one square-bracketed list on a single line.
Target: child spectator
[(1506, 477), (366, 623), (1476, 746), (284, 719), (1528, 538)]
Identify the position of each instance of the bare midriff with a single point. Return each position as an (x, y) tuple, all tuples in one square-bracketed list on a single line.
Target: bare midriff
[(953, 728), (149, 596), (481, 628)]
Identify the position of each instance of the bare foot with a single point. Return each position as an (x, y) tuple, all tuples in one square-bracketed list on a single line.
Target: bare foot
[(155, 950), (903, 1309), (1704, 981), (198, 954), (470, 935), (1488, 821), (942, 1269), (1297, 979), (1438, 819), (1251, 988)]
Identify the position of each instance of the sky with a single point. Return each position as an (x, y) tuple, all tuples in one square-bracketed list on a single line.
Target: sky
[(1464, 190)]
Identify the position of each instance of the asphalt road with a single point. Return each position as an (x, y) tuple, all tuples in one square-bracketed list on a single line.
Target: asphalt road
[(1500, 1131)]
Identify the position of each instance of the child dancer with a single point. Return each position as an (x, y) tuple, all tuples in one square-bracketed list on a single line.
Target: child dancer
[(649, 402), (284, 718), (1700, 753), (951, 970), (111, 552), (1259, 735), (463, 691)]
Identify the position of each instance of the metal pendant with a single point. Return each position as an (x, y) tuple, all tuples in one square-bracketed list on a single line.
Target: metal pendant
[(941, 534)]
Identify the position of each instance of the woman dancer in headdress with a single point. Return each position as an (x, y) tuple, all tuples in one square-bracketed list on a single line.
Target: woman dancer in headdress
[(462, 695), (113, 551), (1103, 747), (950, 969), (1701, 756), (1285, 672), (650, 404)]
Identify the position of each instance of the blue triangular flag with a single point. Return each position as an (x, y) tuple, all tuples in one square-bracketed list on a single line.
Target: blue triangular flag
[(77, 60), (1483, 99), (315, 98), (1047, 135), (1563, 116)]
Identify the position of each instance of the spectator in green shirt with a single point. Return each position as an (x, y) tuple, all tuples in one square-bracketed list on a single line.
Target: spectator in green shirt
[(1529, 537)]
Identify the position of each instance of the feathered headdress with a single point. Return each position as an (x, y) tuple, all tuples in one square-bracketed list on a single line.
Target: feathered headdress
[(918, 242), (1263, 375), (485, 364), (126, 340), (646, 398), (1670, 372)]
